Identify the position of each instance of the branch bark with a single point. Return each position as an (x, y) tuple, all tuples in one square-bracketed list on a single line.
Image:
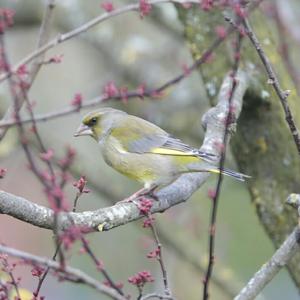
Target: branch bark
[(229, 285), (267, 272), (264, 147), (77, 275)]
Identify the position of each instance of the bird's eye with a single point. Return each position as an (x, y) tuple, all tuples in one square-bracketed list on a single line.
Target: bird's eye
[(93, 121)]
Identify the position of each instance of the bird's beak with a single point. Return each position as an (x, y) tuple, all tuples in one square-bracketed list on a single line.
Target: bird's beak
[(83, 130)]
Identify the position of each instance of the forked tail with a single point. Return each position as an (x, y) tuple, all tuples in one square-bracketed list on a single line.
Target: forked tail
[(236, 175)]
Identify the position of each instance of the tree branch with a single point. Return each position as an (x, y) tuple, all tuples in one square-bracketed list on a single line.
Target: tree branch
[(280, 258), (77, 275), (271, 268), (83, 28), (131, 94), (5, 123), (273, 80), (228, 286), (36, 64), (122, 213), (215, 198)]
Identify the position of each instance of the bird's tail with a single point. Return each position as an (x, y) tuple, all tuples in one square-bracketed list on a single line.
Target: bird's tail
[(236, 175)]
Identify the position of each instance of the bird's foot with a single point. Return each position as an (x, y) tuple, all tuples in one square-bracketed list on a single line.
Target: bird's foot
[(133, 197), (148, 193), (142, 193)]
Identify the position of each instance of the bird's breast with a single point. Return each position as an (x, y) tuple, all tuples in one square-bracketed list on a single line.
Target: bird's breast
[(132, 165)]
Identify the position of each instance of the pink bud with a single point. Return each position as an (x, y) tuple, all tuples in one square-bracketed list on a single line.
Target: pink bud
[(47, 156), (107, 6), (145, 8), (2, 172)]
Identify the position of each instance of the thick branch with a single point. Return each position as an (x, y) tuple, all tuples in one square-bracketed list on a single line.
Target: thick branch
[(122, 213), (77, 275), (228, 285), (267, 272)]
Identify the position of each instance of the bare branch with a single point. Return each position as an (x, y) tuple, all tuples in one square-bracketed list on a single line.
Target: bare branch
[(284, 47), (229, 285), (36, 64), (44, 35), (122, 213), (77, 275), (160, 258), (132, 94), (156, 296), (215, 198), (273, 80), (271, 268), (83, 28), (37, 57)]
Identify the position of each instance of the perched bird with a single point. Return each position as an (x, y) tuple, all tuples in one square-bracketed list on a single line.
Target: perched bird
[(143, 151)]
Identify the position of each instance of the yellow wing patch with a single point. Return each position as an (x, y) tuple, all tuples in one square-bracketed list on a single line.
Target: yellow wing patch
[(216, 171), (165, 151)]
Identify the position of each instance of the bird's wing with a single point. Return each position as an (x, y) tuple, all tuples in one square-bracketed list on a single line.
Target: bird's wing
[(139, 136), (174, 146)]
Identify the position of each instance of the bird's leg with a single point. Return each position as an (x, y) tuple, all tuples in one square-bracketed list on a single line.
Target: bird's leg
[(140, 193), (135, 195), (150, 192)]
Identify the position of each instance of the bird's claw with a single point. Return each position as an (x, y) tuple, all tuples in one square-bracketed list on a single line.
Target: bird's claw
[(140, 194)]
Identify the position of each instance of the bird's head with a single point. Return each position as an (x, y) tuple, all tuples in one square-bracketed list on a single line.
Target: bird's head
[(98, 123)]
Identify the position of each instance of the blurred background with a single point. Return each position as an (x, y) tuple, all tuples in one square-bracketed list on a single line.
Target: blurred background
[(130, 52)]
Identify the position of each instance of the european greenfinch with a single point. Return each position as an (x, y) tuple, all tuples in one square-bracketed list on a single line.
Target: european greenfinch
[(143, 151)]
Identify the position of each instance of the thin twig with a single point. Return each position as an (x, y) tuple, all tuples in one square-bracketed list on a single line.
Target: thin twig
[(215, 198), (87, 249), (4, 289), (51, 170), (17, 96), (42, 39), (90, 252), (112, 196), (160, 259), (83, 28), (132, 94), (273, 80), (284, 48), (58, 247), (44, 35), (99, 266), (122, 213), (7, 269), (30, 158), (76, 275), (35, 130), (43, 277)]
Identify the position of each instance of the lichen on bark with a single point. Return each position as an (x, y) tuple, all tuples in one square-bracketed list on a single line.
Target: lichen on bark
[(263, 145)]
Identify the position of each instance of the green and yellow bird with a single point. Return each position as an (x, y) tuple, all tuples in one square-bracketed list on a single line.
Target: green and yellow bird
[(143, 151)]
